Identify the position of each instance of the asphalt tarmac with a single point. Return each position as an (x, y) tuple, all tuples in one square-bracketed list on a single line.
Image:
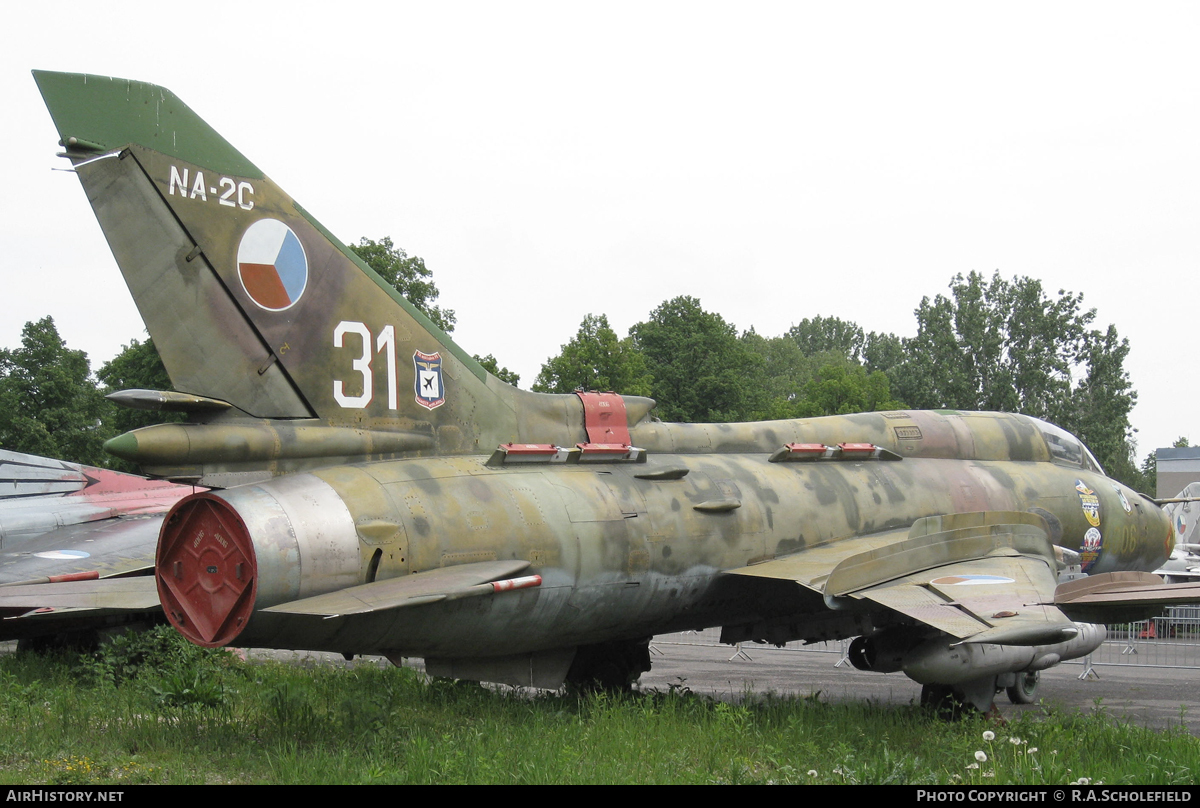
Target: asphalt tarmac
[(1155, 697)]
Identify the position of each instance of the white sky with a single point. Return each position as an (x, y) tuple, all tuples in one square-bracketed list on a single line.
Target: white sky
[(775, 160)]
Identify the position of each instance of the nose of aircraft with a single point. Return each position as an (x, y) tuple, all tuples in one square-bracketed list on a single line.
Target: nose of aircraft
[(1115, 529), (1153, 532)]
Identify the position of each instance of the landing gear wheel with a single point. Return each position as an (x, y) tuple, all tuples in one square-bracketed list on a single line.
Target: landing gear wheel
[(946, 702), (1025, 690), (611, 667)]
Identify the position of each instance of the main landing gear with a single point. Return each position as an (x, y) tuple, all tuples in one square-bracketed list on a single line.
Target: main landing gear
[(1024, 690), (611, 667), (953, 702)]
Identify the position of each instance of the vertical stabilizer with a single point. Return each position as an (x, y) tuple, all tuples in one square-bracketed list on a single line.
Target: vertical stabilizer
[(251, 301)]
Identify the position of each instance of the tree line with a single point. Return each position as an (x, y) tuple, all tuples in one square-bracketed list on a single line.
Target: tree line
[(989, 344)]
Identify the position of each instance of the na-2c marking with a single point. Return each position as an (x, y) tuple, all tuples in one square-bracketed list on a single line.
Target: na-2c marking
[(233, 193)]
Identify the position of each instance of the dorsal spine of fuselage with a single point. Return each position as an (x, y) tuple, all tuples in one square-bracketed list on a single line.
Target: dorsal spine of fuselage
[(251, 301)]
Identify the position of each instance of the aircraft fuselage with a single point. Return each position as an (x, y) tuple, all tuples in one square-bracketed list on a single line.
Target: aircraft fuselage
[(623, 549)]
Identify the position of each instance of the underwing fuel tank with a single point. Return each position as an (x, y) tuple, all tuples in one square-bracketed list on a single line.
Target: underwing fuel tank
[(943, 660)]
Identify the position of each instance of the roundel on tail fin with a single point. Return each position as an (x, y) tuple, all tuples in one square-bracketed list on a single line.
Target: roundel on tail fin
[(272, 265)]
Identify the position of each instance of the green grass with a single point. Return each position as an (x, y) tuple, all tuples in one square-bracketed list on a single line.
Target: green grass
[(152, 709)]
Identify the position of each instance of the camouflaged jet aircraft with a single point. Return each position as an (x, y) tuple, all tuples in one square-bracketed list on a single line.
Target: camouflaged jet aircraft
[(380, 492), (91, 533)]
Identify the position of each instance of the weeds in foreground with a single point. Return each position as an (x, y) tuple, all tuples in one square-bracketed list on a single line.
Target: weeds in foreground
[(151, 709)]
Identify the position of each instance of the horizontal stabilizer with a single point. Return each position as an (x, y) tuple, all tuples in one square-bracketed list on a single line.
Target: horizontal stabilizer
[(445, 583)]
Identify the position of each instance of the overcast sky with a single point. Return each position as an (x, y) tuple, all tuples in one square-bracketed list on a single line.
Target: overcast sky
[(775, 160)]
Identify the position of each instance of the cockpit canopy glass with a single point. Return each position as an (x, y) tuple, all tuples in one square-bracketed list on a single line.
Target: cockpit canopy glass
[(1066, 449)]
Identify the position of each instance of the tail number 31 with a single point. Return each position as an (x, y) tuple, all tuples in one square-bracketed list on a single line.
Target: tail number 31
[(384, 344)]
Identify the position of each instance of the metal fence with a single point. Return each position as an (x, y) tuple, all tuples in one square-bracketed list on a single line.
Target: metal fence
[(1172, 641)]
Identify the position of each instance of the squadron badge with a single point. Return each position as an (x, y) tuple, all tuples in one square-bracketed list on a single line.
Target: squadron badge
[(1090, 551), (1089, 502), (430, 391), (1121, 496)]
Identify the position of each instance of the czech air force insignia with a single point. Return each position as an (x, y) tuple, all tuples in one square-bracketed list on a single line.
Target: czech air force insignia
[(272, 265), (430, 391)]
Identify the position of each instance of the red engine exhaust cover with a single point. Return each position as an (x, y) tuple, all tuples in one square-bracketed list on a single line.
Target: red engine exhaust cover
[(206, 570)]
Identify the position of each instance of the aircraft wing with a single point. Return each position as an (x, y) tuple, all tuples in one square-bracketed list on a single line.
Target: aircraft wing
[(40, 495), (109, 596), (1119, 597), (112, 547), (79, 577), (446, 583), (59, 518), (980, 577), (70, 538), (23, 475)]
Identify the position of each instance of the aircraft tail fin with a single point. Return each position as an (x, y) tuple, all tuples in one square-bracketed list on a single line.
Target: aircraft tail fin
[(251, 301)]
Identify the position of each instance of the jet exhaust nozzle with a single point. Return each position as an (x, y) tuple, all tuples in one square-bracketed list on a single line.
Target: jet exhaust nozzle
[(222, 555)]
